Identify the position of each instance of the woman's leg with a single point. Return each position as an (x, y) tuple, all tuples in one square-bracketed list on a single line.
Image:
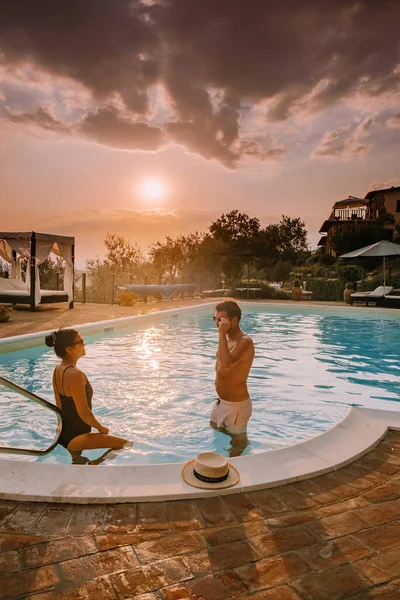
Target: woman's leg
[(91, 441)]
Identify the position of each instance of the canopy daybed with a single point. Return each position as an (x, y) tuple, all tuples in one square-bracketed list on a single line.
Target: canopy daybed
[(35, 247)]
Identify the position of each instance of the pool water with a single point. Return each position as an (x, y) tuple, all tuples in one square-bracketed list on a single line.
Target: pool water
[(155, 384)]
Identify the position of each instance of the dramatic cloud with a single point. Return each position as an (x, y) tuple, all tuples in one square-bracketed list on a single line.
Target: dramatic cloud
[(212, 58), (345, 142), (108, 127), (382, 185), (40, 117), (394, 120)]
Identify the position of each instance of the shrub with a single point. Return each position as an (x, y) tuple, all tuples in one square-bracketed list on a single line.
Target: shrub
[(324, 289), (296, 283), (348, 272), (320, 259), (377, 280), (268, 292), (283, 294), (351, 285)]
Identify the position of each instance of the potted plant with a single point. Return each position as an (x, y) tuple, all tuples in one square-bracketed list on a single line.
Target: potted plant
[(5, 312), (126, 298), (349, 289), (296, 290)]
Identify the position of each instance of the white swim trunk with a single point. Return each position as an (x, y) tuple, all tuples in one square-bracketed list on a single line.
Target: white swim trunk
[(232, 416)]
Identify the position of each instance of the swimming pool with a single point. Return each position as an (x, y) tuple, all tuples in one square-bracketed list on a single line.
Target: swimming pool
[(154, 381)]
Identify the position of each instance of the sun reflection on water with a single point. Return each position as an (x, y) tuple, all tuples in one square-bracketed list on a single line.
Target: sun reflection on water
[(148, 345)]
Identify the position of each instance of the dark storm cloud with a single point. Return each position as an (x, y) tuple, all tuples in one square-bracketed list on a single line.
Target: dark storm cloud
[(107, 126), (211, 56)]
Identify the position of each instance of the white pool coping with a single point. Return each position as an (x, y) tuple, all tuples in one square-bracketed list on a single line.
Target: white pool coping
[(358, 433)]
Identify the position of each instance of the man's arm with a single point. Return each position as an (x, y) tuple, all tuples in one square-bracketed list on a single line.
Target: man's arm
[(229, 359)]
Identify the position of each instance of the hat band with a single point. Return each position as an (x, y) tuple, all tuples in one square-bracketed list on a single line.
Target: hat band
[(210, 479)]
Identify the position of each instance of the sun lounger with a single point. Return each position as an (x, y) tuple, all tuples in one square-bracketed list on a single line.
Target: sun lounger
[(392, 302), (376, 297)]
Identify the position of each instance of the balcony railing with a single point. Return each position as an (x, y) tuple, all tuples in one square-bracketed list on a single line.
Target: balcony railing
[(349, 214)]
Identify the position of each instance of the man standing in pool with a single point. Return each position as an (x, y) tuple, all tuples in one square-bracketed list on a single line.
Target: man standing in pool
[(232, 409)]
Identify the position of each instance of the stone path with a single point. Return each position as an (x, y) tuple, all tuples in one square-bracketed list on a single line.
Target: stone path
[(332, 537)]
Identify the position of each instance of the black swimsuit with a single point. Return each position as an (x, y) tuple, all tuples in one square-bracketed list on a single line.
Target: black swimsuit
[(72, 423)]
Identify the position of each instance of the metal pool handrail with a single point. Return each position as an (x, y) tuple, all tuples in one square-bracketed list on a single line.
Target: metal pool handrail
[(31, 396)]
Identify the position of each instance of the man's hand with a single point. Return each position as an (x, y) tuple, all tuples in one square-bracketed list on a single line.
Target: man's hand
[(102, 429), (223, 326)]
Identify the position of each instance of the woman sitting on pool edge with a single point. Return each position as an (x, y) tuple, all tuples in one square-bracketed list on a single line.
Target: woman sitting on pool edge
[(73, 394)]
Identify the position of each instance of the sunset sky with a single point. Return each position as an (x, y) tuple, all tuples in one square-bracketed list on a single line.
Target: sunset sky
[(154, 117)]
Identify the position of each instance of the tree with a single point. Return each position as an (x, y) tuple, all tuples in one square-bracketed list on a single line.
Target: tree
[(51, 273), (283, 242), (236, 233), (167, 258), (345, 240), (122, 257), (203, 260), (99, 281), (293, 244), (235, 229), (4, 268)]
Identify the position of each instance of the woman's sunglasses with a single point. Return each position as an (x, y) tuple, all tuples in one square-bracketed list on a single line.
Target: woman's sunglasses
[(78, 342)]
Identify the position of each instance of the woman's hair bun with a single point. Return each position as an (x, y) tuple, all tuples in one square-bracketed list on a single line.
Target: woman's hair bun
[(49, 339)]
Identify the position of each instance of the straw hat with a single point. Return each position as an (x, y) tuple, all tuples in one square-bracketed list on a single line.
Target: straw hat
[(210, 471)]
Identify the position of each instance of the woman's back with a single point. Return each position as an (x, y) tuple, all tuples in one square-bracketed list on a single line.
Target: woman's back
[(73, 425)]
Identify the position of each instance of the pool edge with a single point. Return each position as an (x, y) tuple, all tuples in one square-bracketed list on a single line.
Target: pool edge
[(355, 435)]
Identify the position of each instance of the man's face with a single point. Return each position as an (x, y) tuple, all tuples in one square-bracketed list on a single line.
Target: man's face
[(222, 315)]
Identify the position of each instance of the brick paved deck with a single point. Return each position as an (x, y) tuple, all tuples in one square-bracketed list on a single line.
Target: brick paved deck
[(332, 537)]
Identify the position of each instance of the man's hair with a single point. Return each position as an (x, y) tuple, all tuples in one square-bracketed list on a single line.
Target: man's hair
[(231, 308)]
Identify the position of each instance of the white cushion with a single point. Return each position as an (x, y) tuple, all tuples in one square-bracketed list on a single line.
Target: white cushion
[(16, 293), (381, 290), (18, 284), (5, 284), (52, 293)]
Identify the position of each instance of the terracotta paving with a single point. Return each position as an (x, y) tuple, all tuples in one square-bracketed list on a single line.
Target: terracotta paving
[(333, 537)]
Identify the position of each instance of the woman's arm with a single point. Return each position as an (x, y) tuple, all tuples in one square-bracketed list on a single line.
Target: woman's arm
[(76, 384)]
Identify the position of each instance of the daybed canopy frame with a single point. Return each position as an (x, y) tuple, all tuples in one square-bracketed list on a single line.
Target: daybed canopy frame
[(36, 247)]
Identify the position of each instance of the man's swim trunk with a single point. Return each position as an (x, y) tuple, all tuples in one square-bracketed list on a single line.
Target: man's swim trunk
[(232, 416)]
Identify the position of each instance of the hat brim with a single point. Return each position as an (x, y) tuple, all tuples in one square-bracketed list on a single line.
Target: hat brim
[(189, 477)]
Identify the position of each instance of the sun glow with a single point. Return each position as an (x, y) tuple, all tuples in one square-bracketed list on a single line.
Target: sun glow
[(153, 189)]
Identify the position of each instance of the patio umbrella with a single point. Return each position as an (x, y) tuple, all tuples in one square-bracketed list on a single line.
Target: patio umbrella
[(383, 249)]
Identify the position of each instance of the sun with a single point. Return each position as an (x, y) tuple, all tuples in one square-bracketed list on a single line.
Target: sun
[(153, 189)]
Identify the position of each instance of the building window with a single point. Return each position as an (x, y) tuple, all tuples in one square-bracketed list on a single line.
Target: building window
[(398, 206)]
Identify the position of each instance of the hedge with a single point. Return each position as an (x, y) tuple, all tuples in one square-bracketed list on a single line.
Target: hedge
[(326, 289)]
